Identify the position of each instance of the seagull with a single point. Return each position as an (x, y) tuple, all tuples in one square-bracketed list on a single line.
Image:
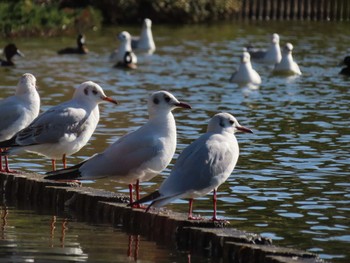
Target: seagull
[(19, 110), (346, 70), (79, 49), (124, 56), (245, 73), (287, 65), (10, 51), (202, 166), (137, 156), (270, 56), (144, 42), (63, 129)]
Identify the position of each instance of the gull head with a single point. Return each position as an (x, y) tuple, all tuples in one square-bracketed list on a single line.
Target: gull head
[(91, 92), (288, 48), (147, 23), (26, 83), (226, 122), (124, 36), (164, 102), (275, 39), (245, 58)]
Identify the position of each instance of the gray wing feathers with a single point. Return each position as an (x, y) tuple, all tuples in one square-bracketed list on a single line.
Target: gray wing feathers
[(46, 129)]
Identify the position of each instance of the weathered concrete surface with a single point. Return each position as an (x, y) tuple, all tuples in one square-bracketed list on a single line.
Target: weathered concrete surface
[(163, 226)]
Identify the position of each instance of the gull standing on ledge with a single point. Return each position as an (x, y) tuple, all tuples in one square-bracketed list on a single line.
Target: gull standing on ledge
[(287, 65), (245, 73), (63, 129), (18, 111), (144, 42), (137, 156), (202, 166)]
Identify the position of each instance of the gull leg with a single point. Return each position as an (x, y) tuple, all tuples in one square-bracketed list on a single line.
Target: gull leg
[(130, 194), (64, 161), (53, 162), (214, 218)]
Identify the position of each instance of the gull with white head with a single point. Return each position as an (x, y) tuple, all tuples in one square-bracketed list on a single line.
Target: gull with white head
[(19, 110), (144, 42), (246, 74), (287, 65), (202, 166), (270, 56), (137, 156), (63, 129)]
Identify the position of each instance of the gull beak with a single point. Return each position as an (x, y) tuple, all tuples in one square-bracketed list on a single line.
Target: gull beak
[(110, 100), (183, 105), (244, 129)]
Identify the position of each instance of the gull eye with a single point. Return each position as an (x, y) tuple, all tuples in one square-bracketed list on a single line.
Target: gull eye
[(231, 122), (167, 98), (94, 92), (155, 100)]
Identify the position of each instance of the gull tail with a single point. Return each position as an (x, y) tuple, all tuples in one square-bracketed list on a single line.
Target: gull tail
[(150, 197), (70, 173), (157, 200)]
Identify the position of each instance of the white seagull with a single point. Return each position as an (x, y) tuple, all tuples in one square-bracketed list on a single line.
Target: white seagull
[(63, 129), (124, 56), (245, 73), (144, 42), (18, 111), (287, 65), (202, 166), (137, 156), (270, 56)]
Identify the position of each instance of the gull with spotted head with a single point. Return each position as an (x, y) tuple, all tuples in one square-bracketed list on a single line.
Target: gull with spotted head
[(202, 166), (63, 129), (137, 156), (19, 110), (124, 56)]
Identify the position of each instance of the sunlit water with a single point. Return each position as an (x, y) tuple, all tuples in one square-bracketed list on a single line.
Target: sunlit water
[(291, 181)]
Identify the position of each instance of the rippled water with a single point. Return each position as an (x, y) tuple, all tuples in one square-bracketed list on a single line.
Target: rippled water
[(291, 181)]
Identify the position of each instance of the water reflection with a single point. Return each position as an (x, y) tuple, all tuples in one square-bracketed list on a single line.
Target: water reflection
[(290, 182), (29, 236)]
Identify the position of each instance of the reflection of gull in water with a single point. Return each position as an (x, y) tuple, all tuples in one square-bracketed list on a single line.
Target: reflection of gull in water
[(203, 165)]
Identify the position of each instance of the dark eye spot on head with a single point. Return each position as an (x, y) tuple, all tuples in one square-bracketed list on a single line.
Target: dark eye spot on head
[(167, 98), (155, 100), (221, 123), (232, 122), (86, 91), (94, 92)]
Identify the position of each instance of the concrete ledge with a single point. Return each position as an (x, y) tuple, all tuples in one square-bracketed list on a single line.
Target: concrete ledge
[(202, 237)]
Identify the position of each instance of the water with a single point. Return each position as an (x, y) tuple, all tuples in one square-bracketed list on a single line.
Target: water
[(291, 181)]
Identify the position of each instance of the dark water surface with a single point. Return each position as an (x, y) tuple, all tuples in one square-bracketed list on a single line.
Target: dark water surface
[(291, 182)]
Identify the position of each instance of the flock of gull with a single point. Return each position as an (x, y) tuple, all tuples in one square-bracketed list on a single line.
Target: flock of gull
[(139, 155)]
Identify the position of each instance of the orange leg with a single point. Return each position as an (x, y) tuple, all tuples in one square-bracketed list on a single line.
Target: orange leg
[(53, 162), (64, 161)]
